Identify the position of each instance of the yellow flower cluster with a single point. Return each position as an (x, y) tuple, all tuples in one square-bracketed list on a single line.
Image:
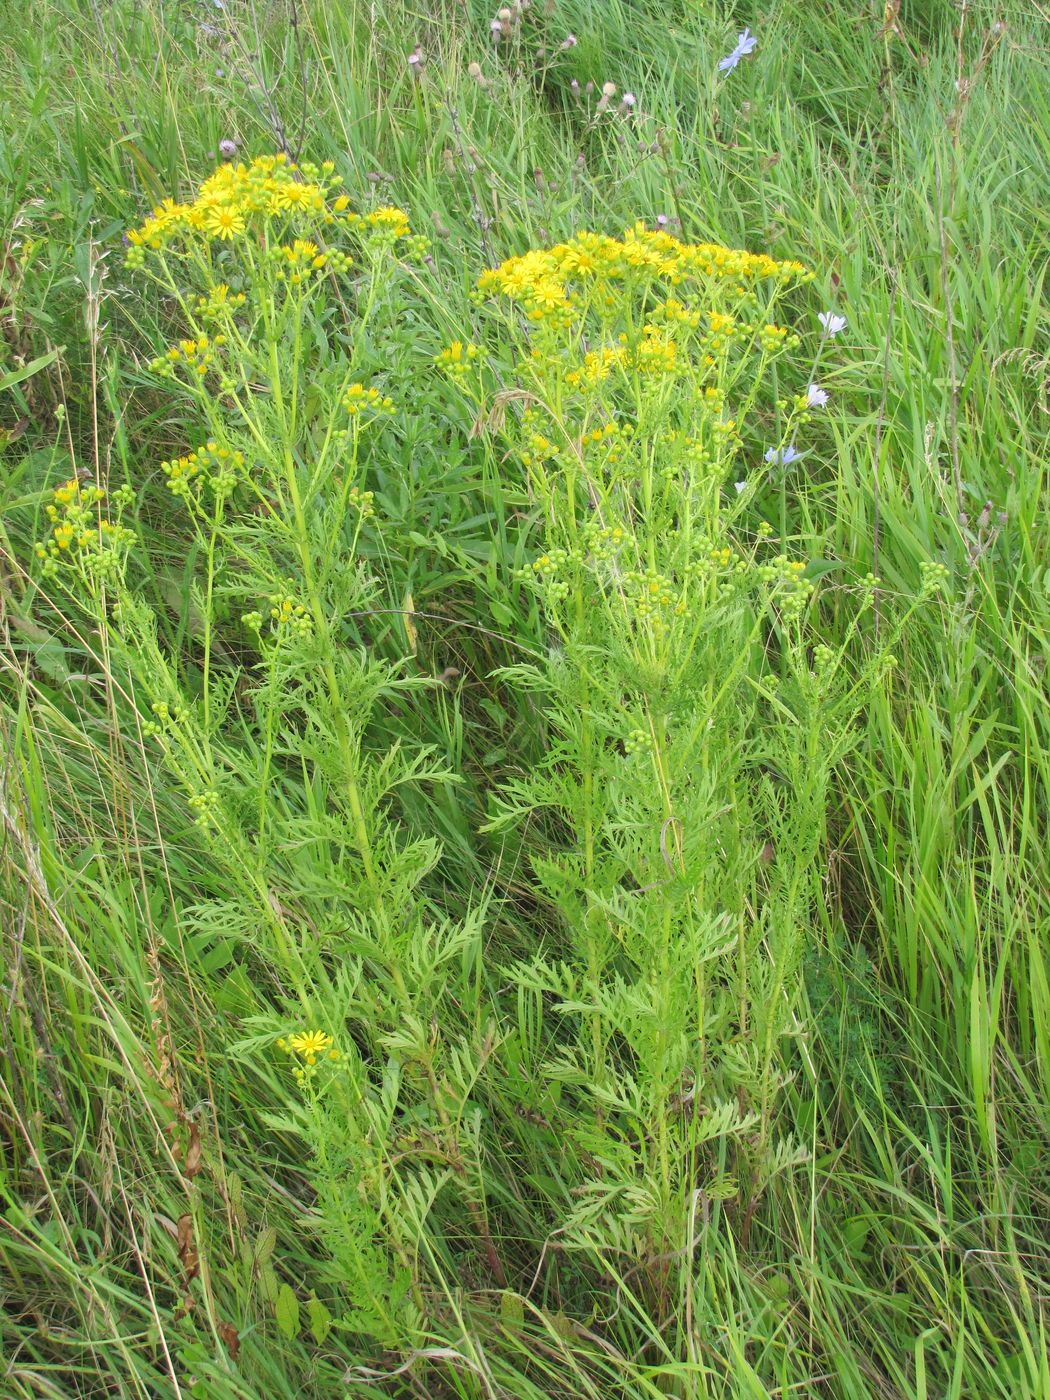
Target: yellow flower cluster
[(218, 465), (549, 282), (540, 449), (240, 199), (386, 219), (357, 398), (219, 303), (597, 366), (79, 531), (720, 332), (611, 440), (235, 196), (301, 258), (772, 337), (306, 1048), (455, 358), (672, 312), (71, 515), (656, 353), (197, 355)]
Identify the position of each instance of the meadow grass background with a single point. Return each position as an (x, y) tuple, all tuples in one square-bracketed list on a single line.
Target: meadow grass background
[(905, 157)]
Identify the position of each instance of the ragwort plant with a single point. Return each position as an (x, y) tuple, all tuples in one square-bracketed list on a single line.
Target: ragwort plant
[(695, 719), (283, 299)]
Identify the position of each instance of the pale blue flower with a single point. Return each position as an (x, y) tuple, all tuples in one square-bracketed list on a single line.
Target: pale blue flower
[(816, 397), (832, 324), (782, 456), (744, 45)]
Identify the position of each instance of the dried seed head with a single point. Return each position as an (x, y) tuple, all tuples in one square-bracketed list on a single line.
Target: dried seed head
[(608, 92)]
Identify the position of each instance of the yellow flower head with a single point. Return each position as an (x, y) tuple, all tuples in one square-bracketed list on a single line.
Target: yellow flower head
[(309, 1044), (223, 221)]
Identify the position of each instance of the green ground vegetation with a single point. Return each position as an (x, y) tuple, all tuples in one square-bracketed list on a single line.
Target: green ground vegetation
[(507, 889)]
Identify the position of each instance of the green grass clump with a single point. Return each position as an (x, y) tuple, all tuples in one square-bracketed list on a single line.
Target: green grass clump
[(513, 883)]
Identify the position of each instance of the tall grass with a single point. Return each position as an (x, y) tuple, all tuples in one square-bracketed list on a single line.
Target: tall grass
[(452, 1214)]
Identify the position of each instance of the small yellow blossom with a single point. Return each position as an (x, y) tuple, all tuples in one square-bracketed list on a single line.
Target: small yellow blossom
[(309, 1045)]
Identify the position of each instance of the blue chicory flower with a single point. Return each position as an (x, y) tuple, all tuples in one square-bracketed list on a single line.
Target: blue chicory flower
[(782, 456), (744, 45)]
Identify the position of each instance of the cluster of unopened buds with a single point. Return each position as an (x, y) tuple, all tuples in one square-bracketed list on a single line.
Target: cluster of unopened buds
[(358, 399), (167, 714), (653, 592), (603, 542), (361, 501), (823, 662), (724, 559), (683, 455), (221, 467), (546, 568), (219, 303), (205, 807), (289, 616), (638, 740), (933, 576), (611, 439), (788, 577)]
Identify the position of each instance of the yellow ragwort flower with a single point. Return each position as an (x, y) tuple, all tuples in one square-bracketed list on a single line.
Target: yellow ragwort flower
[(309, 1044)]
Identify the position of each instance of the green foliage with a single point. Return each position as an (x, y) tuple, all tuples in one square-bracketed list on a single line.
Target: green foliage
[(489, 907)]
